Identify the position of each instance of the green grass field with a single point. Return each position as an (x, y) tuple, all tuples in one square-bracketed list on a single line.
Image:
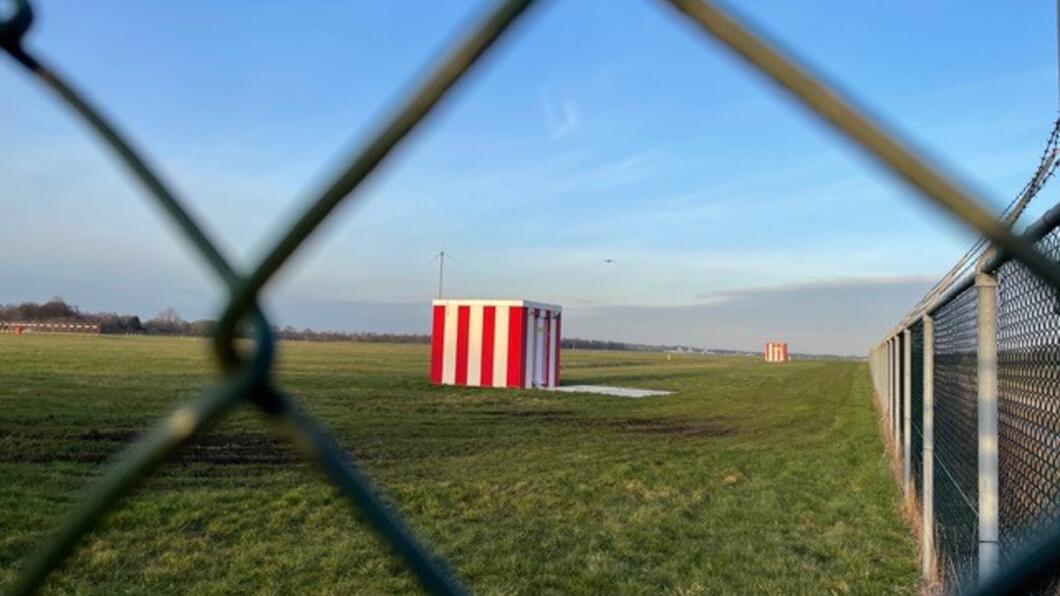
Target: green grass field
[(751, 478)]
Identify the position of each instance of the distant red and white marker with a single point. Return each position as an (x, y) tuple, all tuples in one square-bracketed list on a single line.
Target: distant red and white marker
[(495, 343), (776, 351)]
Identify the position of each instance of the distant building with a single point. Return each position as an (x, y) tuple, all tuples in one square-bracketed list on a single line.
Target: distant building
[(21, 327), (776, 351), (495, 343)]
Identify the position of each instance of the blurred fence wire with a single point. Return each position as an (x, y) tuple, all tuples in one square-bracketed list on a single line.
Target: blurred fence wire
[(247, 380)]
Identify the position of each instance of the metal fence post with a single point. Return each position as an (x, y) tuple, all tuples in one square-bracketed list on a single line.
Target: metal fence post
[(876, 374), (897, 384), (885, 385), (927, 479), (875, 364), (986, 288), (896, 391), (883, 375), (888, 354), (907, 418), (890, 385)]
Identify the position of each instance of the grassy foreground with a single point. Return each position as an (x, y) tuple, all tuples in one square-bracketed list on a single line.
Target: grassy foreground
[(752, 478)]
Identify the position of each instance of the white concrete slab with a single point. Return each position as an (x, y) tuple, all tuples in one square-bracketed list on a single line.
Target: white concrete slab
[(607, 390)]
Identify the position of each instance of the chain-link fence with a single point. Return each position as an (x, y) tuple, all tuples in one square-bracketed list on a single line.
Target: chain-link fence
[(247, 380), (956, 423), (988, 407)]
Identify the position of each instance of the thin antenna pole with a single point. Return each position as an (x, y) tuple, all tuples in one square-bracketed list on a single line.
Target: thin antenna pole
[(1058, 53), (441, 267)]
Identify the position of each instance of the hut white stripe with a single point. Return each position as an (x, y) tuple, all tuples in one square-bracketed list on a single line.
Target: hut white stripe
[(449, 351), (474, 345), (500, 347)]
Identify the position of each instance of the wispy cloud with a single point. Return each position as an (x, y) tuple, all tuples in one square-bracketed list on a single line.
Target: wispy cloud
[(561, 117), (616, 171), (833, 283), (837, 284)]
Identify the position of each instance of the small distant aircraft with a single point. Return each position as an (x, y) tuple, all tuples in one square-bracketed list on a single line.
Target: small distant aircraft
[(611, 261)]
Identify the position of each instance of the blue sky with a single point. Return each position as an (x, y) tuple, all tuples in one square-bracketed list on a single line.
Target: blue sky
[(597, 131)]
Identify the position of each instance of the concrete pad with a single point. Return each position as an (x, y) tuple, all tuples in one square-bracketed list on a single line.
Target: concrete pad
[(606, 390)]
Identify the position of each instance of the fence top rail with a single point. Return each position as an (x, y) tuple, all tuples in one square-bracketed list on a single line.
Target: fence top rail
[(955, 290), (1034, 232)]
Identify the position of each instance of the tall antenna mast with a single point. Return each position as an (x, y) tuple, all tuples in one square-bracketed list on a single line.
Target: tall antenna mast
[(441, 268), (441, 257)]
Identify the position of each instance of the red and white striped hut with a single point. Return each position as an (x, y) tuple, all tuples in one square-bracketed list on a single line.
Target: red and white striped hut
[(776, 351), (495, 343)]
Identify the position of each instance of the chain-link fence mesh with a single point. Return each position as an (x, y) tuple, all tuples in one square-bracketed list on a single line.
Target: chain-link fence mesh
[(247, 380), (916, 406), (1028, 403), (956, 437)]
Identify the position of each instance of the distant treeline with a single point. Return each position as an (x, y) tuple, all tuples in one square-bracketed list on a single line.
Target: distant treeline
[(592, 344), (573, 343), (169, 322), (387, 338)]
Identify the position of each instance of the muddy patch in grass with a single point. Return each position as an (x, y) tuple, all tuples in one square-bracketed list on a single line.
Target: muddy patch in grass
[(544, 415), (96, 447), (716, 427), (226, 449), (671, 428)]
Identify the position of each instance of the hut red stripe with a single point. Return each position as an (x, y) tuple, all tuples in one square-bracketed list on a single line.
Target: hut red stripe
[(489, 318), (463, 320), (516, 326), (437, 343)]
